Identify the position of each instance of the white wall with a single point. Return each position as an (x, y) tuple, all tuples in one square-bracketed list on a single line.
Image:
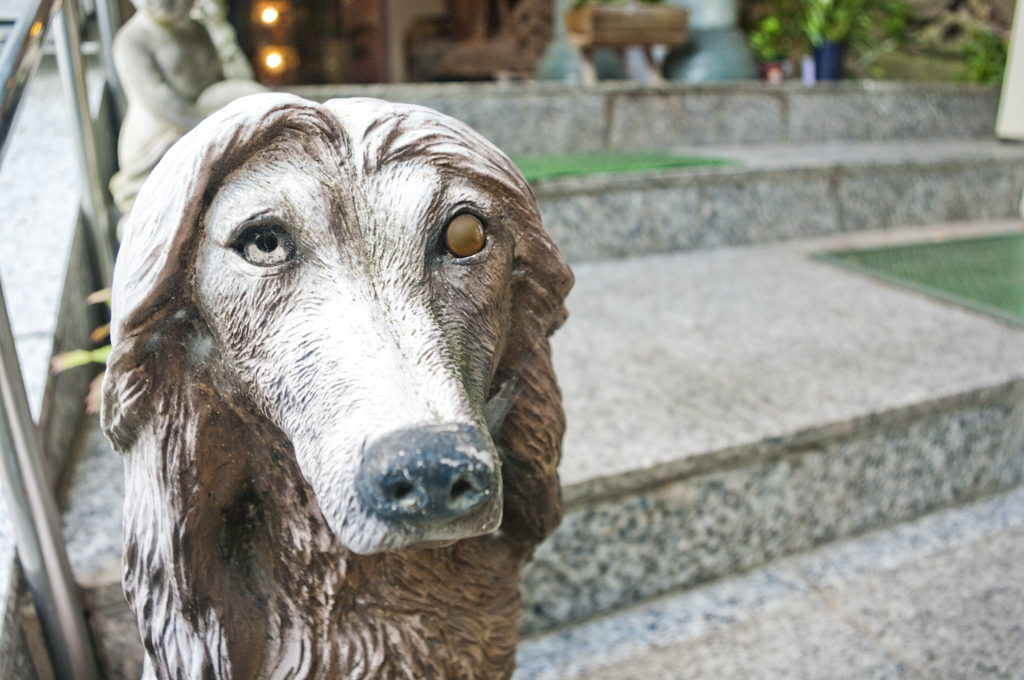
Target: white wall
[(1010, 123)]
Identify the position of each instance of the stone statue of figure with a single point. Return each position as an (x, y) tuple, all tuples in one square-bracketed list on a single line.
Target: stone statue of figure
[(173, 78), (213, 15)]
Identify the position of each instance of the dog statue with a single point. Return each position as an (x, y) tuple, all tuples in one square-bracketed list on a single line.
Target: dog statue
[(332, 387)]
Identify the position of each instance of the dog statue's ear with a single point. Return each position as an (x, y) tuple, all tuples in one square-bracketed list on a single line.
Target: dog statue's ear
[(530, 436), (155, 325)]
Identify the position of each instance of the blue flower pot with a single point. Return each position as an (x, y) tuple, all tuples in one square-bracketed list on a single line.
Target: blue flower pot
[(828, 61)]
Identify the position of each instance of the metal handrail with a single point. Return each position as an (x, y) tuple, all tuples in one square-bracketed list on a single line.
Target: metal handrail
[(108, 18), (30, 499), (94, 203), (18, 62)]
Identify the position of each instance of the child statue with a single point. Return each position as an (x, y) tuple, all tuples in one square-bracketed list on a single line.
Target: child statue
[(173, 78)]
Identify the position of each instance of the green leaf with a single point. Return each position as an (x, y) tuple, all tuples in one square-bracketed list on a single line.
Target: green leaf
[(79, 357), (984, 59)]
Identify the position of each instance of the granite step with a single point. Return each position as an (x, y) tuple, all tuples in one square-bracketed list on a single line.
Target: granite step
[(854, 156), (726, 408), (554, 118), (937, 597), (781, 192)]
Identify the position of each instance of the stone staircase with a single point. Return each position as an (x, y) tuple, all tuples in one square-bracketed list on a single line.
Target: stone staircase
[(807, 162), (730, 400), (937, 597), (730, 406), (552, 118), (778, 192)]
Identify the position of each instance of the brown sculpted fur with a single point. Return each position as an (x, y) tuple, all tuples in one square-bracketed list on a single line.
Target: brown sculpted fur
[(254, 381)]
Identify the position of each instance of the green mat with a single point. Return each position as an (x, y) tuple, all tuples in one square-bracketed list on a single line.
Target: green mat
[(986, 273), (545, 167)]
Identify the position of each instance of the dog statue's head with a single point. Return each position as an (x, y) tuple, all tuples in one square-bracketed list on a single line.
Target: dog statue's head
[(372, 279)]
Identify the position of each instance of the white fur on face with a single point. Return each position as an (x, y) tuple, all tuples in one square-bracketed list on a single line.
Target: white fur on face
[(341, 344)]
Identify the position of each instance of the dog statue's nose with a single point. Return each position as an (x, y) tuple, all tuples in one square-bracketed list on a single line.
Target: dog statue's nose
[(425, 474)]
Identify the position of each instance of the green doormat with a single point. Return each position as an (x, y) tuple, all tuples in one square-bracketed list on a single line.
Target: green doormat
[(986, 273), (545, 167)]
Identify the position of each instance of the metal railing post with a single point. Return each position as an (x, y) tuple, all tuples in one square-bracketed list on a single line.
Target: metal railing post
[(18, 62), (69, 58), (108, 19), (37, 527), (30, 499)]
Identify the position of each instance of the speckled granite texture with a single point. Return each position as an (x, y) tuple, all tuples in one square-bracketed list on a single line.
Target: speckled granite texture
[(729, 406), (554, 118), (94, 497), (782, 193), (937, 597), (668, 359), (615, 552)]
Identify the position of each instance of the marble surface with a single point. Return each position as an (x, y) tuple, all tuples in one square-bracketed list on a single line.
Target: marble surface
[(781, 192), (94, 497), (539, 117), (800, 638), (946, 616), (11, 10), (870, 200), (671, 356), (823, 114), (936, 597)]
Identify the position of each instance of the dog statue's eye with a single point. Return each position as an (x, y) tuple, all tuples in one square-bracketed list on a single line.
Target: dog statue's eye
[(265, 245), (464, 236)]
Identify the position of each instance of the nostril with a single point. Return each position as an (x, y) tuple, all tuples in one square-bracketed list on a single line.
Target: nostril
[(402, 490), (403, 493), (465, 492), (459, 489)]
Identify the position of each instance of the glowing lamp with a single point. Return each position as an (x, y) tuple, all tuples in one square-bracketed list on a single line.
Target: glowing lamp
[(275, 15), (276, 64)]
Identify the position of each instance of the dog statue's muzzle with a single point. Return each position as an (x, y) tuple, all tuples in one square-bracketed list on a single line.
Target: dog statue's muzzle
[(427, 474)]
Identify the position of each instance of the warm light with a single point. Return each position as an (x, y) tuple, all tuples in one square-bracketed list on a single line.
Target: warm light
[(269, 15), (36, 28), (277, 64)]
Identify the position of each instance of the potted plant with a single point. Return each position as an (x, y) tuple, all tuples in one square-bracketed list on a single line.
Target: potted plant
[(827, 25), (771, 44)]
